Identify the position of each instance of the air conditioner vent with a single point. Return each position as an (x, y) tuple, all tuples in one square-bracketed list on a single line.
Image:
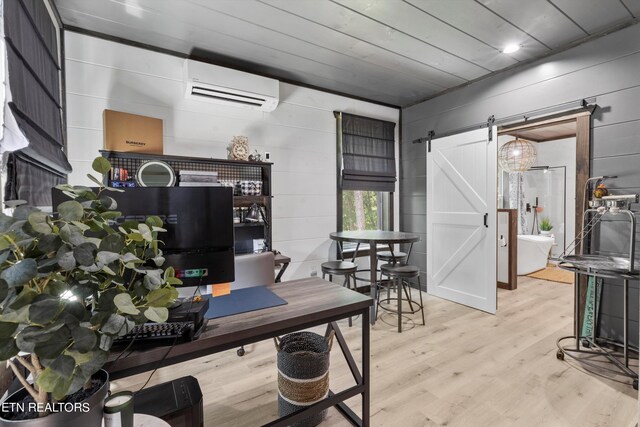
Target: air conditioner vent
[(220, 85)]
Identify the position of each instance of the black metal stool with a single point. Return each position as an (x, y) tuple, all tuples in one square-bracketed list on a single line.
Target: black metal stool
[(392, 257), (398, 273), (341, 268)]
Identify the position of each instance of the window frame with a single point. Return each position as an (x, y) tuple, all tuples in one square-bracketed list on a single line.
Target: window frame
[(388, 196)]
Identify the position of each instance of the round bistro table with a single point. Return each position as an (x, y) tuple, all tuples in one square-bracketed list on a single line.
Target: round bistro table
[(374, 238)]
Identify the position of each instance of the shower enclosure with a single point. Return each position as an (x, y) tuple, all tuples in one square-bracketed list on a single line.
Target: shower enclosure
[(540, 192)]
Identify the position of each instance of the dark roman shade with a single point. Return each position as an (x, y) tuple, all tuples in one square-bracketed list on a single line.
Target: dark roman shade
[(35, 103), (368, 154)]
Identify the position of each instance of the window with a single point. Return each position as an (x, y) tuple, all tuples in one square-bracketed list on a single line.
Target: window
[(366, 173), (365, 210)]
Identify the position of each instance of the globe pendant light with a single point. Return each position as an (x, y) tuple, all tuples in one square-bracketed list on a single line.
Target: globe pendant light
[(517, 155)]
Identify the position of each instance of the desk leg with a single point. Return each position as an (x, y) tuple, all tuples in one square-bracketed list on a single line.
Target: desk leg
[(373, 264), (366, 367), (576, 310), (625, 315), (281, 272)]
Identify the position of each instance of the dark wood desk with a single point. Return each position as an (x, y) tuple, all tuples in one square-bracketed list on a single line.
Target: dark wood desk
[(373, 238), (310, 302)]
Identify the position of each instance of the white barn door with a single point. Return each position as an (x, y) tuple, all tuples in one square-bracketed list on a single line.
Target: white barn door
[(461, 218)]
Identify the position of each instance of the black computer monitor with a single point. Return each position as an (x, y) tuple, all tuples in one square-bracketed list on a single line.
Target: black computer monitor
[(199, 222)]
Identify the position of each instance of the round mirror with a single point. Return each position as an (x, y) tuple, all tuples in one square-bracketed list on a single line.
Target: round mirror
[(155, 174)]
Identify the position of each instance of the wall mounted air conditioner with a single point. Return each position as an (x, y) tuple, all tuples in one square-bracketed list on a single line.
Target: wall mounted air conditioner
[(207, 82)]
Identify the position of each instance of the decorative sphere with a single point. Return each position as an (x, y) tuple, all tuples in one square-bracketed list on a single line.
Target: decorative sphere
[(517, 155)]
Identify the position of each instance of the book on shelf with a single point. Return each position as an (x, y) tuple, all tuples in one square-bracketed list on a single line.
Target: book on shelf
[(194, 172), (119, 174), (199, 173), (198, 178), (122, 184), (199, 184)]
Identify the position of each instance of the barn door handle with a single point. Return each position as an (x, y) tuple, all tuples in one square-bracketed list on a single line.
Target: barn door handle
[(486, 217)]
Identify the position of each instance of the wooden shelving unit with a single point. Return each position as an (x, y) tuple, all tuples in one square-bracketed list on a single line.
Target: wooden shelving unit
[(248, 224), (246, 201), (228, 170)]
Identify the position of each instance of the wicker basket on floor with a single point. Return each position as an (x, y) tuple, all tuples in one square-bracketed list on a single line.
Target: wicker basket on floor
[(303, 373)]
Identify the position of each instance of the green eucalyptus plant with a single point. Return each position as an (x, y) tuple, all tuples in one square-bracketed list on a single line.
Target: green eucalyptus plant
[(73, 281), (545, 224)]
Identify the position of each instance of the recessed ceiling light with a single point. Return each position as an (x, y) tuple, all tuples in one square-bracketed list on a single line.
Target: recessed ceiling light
[(510, 48)]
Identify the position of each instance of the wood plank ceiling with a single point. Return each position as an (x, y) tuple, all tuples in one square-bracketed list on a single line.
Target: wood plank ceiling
[(397, 52)]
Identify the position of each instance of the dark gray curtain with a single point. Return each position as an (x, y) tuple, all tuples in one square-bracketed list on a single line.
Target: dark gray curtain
[(33, 179), (34, 81), (368, 154)]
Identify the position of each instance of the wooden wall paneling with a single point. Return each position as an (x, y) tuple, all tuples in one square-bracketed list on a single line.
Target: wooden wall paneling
[(624, 167), (612, 304), (625, 101), (413, 205), (622, 139)]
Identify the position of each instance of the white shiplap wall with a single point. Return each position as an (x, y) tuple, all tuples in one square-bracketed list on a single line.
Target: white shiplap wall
[(300, 133)]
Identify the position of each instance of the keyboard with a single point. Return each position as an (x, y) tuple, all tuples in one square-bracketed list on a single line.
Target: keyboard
[(157, 333)]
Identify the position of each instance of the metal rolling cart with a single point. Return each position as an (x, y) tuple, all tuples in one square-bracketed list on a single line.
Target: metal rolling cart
[(609, 267)]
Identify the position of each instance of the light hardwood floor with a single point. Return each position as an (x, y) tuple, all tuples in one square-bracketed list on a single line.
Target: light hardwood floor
[(465, 368)]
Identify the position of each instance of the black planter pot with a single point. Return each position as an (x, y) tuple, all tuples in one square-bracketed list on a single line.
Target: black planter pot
[(75, 418)]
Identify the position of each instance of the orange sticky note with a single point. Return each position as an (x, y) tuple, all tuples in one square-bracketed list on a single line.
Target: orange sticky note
[(220, 289)]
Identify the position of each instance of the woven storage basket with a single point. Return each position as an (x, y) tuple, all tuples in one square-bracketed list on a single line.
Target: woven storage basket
[(303, 373)]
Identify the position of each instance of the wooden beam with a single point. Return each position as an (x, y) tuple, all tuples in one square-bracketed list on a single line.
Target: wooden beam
[(565, 117), (533, 126), (557, 137)]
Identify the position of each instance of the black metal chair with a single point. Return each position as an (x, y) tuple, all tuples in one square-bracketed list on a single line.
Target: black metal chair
[(399, 274), (341, 268)]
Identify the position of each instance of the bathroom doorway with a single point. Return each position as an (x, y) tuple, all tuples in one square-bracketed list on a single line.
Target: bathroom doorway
[(545, 194), (549, 196)]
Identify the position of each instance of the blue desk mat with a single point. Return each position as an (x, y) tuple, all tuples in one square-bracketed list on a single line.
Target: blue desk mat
[(242, 301)]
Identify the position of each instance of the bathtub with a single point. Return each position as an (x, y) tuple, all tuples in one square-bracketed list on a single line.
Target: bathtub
[(533, 252)]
